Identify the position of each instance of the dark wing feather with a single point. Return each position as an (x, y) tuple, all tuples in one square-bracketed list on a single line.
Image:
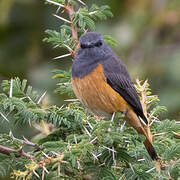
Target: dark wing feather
[(118, 78)]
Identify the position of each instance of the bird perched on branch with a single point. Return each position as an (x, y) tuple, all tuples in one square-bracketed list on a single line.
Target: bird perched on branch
[(102, 84)]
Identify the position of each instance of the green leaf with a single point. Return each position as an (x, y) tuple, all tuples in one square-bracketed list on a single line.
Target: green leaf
[(109, 40)]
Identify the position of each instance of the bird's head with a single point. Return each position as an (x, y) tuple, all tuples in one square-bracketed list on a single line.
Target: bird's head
[(93, 47), (91, 40)]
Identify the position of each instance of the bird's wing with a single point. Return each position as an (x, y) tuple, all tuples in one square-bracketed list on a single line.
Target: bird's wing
[(118, 78)]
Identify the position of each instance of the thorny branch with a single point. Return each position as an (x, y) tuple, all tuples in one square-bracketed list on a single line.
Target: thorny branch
[(20, 152), (143, 90), (17, 153), (70, 10)]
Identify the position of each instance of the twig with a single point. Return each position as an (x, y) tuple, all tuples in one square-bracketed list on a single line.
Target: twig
[(70, 11), (18, 153), (29, 143)]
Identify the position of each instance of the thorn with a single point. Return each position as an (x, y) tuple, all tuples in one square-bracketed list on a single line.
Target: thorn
[(45, 155), (143, 121), (122, 177), (69, 146), (93, 12), (154, 120), (109, 149), (63, 19), (64, 84), (87, 132), (89, 125), (71, 100), (55, 153), (102, 164), (75, 139), (113, 155), (79, 165), (71, 50), (112, 118), (98, 154), (176, 134), (30, 98), (4, 116), (122, 126), (116, 167), (93, 140), (81, 2), (27, 142), (11, 135), (141, 160), (55, 46), (159, 134), (65, 55), (131, 168), (55, 3), (59, 169), (45, 170), (11, 88), (150, 169), (36, 174), (40, 99), (42, 178), (61, 107), (95, 157), (58, 9), (29, 121), (23, 98)]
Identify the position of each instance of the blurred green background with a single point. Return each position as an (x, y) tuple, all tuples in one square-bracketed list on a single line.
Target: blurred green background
[(148, 33)]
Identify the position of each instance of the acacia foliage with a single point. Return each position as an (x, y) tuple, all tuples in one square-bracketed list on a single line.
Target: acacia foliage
[(81, 146)]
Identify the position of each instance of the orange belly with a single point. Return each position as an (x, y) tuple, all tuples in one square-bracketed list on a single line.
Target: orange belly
[(97, 95)]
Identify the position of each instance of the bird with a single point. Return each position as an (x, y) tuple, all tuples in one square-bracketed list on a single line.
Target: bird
[(102, 84)]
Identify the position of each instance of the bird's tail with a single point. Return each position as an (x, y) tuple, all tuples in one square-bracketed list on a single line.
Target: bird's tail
[(150, 149), (134, 121)]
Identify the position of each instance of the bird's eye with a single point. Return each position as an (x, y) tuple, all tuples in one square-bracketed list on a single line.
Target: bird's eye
[(98, 44), (91, 45)]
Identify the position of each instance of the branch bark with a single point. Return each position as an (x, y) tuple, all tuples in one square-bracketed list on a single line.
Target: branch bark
[(70, 11)]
